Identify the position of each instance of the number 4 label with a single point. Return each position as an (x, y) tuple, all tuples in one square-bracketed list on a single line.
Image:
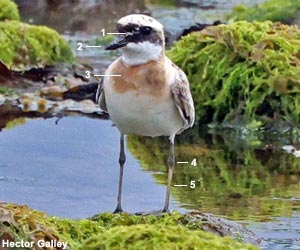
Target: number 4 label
[(194, 162)]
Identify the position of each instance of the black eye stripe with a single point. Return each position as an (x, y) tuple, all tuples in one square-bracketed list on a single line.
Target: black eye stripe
[(128, 28), (134, 28), (137, 34)]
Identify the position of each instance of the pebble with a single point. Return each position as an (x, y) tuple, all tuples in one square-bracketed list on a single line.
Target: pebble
[(2, 99), (52, 92)]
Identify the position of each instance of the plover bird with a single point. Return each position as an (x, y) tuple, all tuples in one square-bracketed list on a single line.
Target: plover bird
[(143, 91)]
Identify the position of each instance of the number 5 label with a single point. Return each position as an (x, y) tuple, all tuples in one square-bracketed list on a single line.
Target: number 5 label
[(193, 184)]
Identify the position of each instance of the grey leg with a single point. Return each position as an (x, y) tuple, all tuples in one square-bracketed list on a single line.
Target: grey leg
[(122, 159), (171, 166)]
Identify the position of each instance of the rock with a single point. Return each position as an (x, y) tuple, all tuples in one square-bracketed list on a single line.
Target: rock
[(2, 99), (21, 224), (197, 27), (81, 92), (297, 153), (118, 231), (54, 92), (31, 102), (289, 148), (86, 106), (221, 227)]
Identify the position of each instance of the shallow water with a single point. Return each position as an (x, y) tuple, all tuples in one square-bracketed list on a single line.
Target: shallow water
[(70, 169)]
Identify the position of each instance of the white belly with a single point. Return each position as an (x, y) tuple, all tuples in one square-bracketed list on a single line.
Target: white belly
[(143, 114)]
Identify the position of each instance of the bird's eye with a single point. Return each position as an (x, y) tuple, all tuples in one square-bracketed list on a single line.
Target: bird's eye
[(146, 30)]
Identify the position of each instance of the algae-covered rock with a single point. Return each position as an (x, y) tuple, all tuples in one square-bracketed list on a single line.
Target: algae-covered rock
[(24, 46), (6, 91), (110, 231), (243, 73), (142, 237), (20, 223), (273, 10), (8, 10)]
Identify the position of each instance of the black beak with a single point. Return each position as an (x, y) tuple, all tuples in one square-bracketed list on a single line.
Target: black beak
[(119, 43)]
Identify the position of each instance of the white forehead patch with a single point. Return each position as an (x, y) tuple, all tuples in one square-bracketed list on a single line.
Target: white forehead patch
[(141, 20)]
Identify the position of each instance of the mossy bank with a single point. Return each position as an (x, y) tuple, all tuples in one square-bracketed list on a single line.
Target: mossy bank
[(243, 73), (8, 10), (24, 46), (109, 231), (286, 11)]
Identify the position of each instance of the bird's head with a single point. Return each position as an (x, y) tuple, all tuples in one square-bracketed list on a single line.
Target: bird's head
[(141, 39)]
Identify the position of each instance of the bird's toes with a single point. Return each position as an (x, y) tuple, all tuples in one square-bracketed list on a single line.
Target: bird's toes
[(118, 210), (154, 212)]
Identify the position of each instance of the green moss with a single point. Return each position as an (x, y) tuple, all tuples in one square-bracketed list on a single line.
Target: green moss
[(6, 91), (243, 73), (104, 40), (273, 10), (8, 10), (75, 231), (142, 237), (109, 231), (112, 220), (24, 46), (15, 123), (163, 3)]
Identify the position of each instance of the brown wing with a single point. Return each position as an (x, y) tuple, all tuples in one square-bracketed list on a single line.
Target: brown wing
[(181, 93), (100, 97)]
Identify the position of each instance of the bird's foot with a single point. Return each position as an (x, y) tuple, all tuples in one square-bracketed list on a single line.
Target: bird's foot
[(118, 210), (166, 210), (154, 212)]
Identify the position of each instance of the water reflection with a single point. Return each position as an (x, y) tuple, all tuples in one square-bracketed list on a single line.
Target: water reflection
[(247, 179), (233, 178)]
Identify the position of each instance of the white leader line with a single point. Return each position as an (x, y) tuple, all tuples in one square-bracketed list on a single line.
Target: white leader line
[(107, 75), (115, 33)]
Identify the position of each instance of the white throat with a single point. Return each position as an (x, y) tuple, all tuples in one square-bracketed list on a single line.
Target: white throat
[(139, 53)]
